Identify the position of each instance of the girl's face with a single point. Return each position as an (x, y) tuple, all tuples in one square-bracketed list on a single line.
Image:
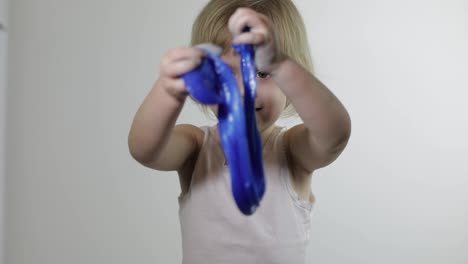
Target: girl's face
[(270, 101)]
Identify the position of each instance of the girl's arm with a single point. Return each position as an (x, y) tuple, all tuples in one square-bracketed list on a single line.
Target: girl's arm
[(327, 126), (154, 140)]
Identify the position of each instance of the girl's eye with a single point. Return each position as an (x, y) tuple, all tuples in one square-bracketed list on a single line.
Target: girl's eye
[(263, 75)]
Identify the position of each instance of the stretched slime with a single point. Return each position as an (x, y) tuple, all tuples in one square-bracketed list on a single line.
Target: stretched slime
[(214, 83)]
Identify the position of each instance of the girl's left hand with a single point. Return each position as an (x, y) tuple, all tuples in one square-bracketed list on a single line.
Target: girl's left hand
[(261, 35)]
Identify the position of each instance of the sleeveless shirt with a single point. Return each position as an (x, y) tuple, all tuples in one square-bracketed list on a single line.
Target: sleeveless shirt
[(215, 231)]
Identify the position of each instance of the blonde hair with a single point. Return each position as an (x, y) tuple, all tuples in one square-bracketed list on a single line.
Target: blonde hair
[(288, 25)]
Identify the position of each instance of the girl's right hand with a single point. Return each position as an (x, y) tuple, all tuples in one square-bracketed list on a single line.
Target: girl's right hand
[(174, 64)]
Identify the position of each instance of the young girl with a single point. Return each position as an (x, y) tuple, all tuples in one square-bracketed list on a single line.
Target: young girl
[(213, 229)]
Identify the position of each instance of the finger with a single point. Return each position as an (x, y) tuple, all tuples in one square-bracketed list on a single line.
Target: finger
[(234, 25), (234, 17), (250, 38), (241, 12), (257, 35), (246, 18), (174, 86), (177, 84), (180, 67), (178, 54)]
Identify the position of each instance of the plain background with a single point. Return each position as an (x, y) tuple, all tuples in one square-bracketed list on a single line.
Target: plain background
[(78, 70), (3, 49), (3, 82)]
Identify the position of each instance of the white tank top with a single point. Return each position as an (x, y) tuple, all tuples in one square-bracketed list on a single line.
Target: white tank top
[(215, 231)]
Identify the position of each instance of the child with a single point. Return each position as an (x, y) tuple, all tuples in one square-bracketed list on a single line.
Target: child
[(213, 229)]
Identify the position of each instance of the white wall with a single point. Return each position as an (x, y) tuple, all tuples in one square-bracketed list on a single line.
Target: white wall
[(78, 70), (3, 82), (3, 59), (4, 12), (399, 192)]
